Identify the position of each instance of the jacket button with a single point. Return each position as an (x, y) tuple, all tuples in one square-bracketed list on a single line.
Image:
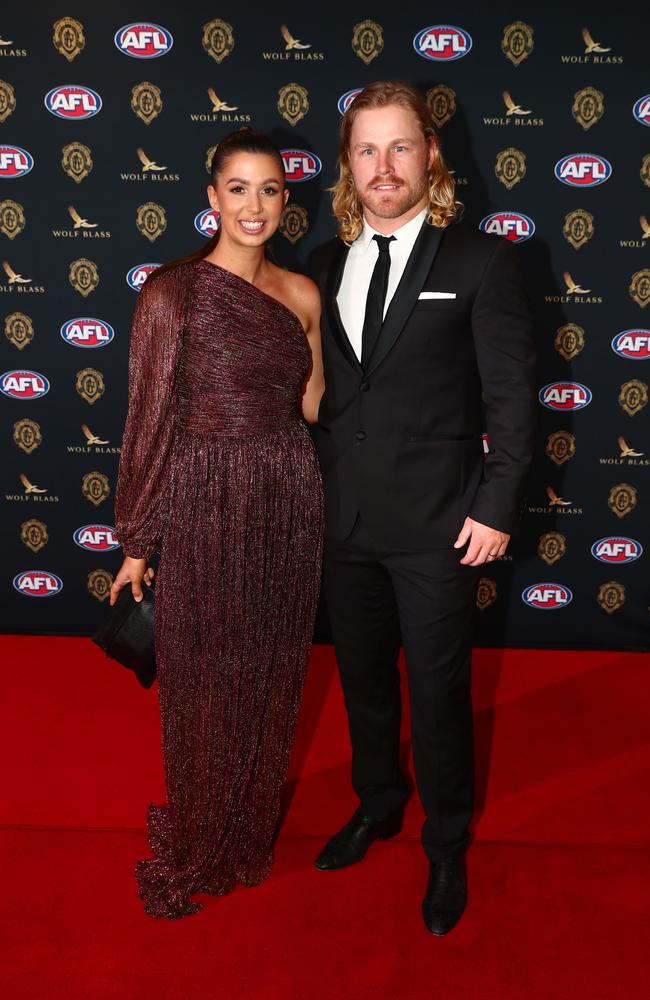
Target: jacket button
[(364, 386), (360, 435)]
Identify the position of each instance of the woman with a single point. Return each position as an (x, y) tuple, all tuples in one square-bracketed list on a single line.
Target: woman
[(218, 473)]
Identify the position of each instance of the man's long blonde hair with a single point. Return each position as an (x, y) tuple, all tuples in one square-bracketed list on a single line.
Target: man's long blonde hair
[(346, 204)]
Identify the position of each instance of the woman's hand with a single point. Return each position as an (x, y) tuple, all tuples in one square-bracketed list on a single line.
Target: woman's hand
[(132, 571)]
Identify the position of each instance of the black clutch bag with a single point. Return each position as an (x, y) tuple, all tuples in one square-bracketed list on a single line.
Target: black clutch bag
[(127, 635)]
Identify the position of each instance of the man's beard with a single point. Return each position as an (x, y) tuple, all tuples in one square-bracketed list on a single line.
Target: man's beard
[(390, 205)]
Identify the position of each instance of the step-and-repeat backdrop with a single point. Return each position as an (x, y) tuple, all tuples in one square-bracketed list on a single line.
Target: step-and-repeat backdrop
[(107, 127)]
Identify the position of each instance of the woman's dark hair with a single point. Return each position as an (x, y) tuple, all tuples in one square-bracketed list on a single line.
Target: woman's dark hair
[(244, 140)]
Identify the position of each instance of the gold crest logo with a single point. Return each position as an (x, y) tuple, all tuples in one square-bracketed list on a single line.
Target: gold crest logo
[(367, 40), (151, 220), (90, 384), (99, 584), (27, 435), (94, 486), (34, 534), (486, 593), (578, 227), (294, 222), (12, 218), (611, 596), (569, 340), (622, 499), (84, 276), (19, 330), (7, 100), (77, 161), (441, 102), (68, 37), (640, 287), (517, 42), (560, 447), (644, 172), (218, 39), (588, 107), (551, 547), (633, 396), (510, 167), (293, 102), (146, 101)]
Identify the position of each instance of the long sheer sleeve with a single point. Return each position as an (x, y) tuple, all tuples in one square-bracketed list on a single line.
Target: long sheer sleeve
[(154, 354)]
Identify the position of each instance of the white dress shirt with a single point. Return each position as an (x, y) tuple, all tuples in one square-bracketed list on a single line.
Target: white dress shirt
[(359, 266)]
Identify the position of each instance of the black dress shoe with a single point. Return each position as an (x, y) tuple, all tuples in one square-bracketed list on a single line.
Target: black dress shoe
[(350, 844), (446, 896)]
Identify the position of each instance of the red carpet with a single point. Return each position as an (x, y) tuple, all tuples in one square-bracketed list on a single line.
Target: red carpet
[(559, 872)]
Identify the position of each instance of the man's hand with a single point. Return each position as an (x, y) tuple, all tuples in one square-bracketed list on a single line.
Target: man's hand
[(486, 544)]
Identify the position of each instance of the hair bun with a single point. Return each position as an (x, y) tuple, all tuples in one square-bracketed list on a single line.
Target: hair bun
[(227, 140)]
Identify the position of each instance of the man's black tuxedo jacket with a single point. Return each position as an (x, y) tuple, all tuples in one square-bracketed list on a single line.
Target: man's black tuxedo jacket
[(401, 442)]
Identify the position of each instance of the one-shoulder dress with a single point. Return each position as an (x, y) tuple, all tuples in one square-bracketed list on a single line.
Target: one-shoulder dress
[(218, 474)]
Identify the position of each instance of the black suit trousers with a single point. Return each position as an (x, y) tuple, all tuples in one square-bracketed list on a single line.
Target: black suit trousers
[(377, 597)]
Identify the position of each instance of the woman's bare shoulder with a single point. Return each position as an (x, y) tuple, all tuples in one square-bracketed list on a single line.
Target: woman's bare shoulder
[(300, 290)]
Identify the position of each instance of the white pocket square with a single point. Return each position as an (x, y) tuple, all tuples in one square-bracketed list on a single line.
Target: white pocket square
[(437, 295)]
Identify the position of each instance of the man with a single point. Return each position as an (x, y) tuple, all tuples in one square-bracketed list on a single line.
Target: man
[(423, 316)]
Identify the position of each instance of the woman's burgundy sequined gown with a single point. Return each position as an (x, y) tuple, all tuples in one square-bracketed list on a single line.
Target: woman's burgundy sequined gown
[(218, 474)]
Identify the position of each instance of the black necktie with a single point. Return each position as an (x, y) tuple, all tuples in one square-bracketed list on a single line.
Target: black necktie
[(374, 317)]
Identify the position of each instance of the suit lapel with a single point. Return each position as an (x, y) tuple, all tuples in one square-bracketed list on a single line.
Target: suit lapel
[(332, 285), (406, 294)]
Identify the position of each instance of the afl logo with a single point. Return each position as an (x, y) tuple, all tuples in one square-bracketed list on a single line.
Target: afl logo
[(633, 344), (641, 110), (96, 538), (442, 42), (565, 396), (207, 222), (143, 41), (515, 226), (23, 384), (345, 100), (616, 549), (137, 276), (72, 102), (547, 596), (38, 583), (14, 162), (299, 165), (583, 170), (82, 332)]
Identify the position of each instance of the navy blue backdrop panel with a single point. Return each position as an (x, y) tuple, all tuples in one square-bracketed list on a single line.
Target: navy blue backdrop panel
[(106, 126)]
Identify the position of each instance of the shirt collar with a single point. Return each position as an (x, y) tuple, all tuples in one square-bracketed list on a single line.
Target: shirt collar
[(406, 232)]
